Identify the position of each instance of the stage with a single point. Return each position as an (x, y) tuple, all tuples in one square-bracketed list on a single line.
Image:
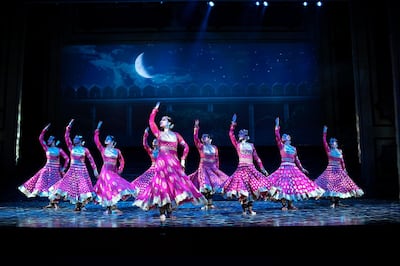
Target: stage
[(362, 229)]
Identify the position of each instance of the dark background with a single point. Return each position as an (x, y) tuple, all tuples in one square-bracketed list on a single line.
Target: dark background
[(355, 45)]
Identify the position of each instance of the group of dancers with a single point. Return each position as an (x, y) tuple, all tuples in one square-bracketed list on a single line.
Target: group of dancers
[(165, 185)]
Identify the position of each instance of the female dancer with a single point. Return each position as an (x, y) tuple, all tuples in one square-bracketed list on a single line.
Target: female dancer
[(110, 187), (142, 181), (50, 173), (76, 186), (335, 180), (289, 181), (247, 183), (170, 185), (208, 178)]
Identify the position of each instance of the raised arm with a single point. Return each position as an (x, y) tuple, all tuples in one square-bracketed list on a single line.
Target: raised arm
[(67, 138), (232, 131), (278, 133), (41, 137), (97, 141), (196, 139), (153, 125), (324, 134)]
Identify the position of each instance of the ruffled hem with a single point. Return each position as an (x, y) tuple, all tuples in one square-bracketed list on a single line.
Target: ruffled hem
[(156, 202), (82, 198), (344, 195), (278, 195), (123, 195)]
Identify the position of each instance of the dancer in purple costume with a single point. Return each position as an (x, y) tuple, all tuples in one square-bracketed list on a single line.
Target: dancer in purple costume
[(290, 182), (208, 178), (334, 179), (142, 181), (247, 183), (76, 186), (170, 185), (39, 184), (111, 187)]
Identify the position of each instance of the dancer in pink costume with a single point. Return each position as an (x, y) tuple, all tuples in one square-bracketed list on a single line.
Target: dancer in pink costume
[(208, 178), (247, 183), (76, 186), (334, 179), (142, 181), (170, 185), (290, 182), (111, 187), (39, 184)]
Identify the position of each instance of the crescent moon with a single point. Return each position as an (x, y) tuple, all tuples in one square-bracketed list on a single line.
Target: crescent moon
[(139, 67)]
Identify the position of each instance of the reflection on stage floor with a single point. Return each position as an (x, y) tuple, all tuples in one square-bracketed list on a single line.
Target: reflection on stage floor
[(362, 228), (228, 213)]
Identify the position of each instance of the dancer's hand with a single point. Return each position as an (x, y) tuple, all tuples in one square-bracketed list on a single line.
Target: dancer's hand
[(99, 124), (265, 172), (196, 123), (234, 117), (277, 121), (157, 105), (325, 129), (183, 162), (305, 171), (71, 122), (47, 126)]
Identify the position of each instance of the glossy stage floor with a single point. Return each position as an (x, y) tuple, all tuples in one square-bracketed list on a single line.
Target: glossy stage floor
[(362, 228)]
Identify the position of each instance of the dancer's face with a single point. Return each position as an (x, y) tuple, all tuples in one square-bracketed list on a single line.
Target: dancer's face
[(109, 139), (286, 138), (206, 139), (50, 140), (333, 144), (77, 140), (164, 122)]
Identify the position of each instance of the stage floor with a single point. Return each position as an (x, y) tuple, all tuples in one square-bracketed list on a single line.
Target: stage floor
[(228, 213), (363, 228)]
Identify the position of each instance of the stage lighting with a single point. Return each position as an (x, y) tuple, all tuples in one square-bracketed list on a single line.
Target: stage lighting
[(211, 3), (305, 3), (319, 3), (264, 3)]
